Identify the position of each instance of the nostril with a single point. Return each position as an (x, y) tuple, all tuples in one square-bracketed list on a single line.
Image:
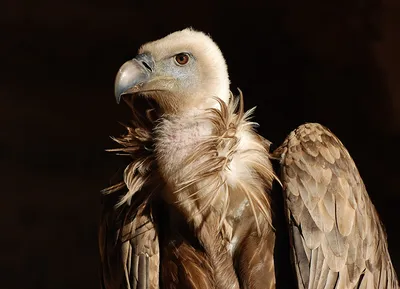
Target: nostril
[(147, 66)]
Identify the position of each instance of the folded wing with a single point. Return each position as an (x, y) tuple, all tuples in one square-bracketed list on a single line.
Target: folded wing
[(129, 248), (338, 240)]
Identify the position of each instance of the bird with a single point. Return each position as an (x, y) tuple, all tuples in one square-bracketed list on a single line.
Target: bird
[(194, 207)]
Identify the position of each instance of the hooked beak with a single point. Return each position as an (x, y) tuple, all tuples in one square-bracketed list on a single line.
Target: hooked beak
[(133, 74)]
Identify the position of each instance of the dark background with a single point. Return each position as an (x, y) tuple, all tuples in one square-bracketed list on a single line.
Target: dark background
[(333, 62)]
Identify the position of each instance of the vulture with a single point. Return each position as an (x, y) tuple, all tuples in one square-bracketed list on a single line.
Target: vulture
[(194, 207)]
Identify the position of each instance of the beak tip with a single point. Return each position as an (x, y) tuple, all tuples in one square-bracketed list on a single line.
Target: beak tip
[(131, 75), (118, 96)]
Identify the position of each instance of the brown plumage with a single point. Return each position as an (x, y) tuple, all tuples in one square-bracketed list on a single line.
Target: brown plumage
[(337, 237), (204, 244), (194, 210)]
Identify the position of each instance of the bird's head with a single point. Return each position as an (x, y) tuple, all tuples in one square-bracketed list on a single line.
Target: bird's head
[(180, 72)]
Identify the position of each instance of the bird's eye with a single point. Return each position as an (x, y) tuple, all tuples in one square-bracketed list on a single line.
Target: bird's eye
[(182, 58)]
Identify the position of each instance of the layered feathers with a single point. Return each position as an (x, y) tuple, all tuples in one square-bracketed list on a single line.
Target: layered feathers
[(220, 179), (337, 237), (194, 210), (216, 153)]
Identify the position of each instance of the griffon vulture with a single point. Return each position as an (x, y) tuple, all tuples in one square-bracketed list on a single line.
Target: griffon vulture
[(194, 210)]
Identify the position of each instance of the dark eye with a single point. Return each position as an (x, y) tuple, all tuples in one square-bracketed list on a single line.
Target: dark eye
[(182, 58)]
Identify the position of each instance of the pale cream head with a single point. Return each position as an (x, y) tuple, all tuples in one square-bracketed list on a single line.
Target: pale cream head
[(181, 72)]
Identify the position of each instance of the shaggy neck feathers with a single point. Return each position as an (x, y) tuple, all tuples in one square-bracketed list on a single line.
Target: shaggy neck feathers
[(210, 160)]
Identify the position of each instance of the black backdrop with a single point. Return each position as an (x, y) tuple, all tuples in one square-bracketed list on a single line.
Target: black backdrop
[(297, 61)]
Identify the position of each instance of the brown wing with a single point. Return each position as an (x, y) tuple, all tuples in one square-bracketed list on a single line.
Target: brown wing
[(129, 247), (337, 238)]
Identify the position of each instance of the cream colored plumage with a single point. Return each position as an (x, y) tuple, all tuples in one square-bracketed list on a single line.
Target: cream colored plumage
[(193, 210)]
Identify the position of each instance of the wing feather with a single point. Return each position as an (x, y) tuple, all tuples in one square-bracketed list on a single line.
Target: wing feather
[(129, 248), (338, 240)]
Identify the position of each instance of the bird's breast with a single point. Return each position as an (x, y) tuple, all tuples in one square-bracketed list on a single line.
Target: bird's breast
[(215, 169)]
